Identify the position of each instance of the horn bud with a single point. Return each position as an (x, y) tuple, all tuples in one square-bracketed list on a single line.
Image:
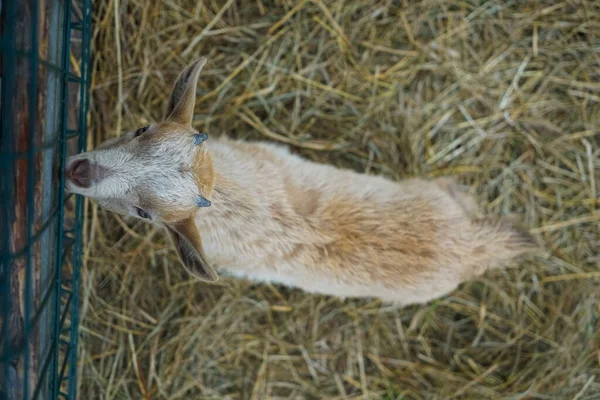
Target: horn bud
[(199, 138), (202, 201)]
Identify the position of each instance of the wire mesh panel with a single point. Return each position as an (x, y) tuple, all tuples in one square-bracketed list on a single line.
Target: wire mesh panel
[(45, 75)]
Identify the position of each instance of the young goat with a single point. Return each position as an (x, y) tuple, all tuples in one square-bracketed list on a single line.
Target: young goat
[(255, 210)]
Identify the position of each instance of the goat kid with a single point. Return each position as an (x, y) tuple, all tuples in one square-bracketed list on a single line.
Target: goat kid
[(257, 211)]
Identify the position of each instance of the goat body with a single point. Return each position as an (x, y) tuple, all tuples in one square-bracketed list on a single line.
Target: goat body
[(255, 210)]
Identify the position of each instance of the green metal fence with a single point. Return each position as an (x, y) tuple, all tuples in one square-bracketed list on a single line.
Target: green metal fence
[(44, 83)]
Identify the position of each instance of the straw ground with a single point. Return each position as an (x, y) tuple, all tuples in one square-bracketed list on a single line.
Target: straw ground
[(503, 94)]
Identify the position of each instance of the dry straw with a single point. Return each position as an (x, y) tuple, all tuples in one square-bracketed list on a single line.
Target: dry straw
[(504, 94)]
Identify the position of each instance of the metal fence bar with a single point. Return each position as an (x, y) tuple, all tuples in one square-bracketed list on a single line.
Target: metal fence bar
[(54, 382), (78, 235), (33, 100), (8, 87), (46, 146)]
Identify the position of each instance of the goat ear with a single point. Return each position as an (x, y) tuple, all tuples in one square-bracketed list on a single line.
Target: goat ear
[(183, 95), (186, 240)]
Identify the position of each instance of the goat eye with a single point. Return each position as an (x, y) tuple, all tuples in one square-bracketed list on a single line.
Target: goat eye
[(142, 214), (140, 131)]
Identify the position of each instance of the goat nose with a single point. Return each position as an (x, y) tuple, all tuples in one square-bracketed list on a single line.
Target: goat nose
[(78, 172)]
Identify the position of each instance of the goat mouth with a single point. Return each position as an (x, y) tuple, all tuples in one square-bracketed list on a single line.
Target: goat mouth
[(79, 173)]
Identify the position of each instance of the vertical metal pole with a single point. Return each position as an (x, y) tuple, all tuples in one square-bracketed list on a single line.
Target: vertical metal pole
[(61, 198), (77, 248), (33, 97), (6, 190)]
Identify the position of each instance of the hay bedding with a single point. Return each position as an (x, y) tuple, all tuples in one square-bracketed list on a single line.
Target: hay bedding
[(504, 94)]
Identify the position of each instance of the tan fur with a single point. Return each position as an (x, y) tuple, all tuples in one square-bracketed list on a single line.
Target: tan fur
[(276, 217), (303, 202), (338, 232), (204, 173), (201, 167)]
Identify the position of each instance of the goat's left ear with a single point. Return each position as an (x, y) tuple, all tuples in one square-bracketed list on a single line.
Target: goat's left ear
[(183, 95), (186, 239)]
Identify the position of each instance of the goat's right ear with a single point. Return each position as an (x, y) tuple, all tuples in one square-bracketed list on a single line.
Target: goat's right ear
[(186, 240), (183, 95)]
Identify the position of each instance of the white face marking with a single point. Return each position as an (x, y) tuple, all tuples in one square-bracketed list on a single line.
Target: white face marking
[(153, 172)]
